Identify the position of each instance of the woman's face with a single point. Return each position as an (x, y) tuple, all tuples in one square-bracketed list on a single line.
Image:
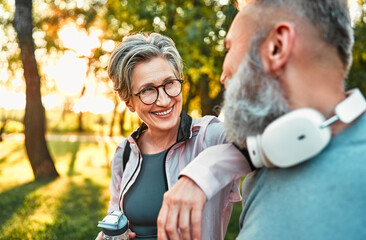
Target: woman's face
[(164, 114)]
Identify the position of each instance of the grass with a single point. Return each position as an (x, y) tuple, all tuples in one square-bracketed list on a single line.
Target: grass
[(67, 207)]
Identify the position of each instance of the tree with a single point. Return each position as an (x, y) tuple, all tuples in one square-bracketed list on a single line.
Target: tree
[(34, 118), (357, 75)]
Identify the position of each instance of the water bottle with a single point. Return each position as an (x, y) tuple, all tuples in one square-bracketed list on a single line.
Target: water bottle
[(114, 226)]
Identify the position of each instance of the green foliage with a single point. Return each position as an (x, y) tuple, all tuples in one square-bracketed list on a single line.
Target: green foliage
[(14, 127), (357, 75), (233, 228)]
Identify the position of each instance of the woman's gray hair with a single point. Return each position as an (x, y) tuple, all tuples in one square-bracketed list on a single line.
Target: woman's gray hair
[(138, 48), (330, 17)]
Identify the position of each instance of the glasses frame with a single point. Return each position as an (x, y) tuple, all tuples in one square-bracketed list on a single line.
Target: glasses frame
[(157, 90)]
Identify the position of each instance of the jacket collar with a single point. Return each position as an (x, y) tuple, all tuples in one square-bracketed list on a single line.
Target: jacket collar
[(184, 130)]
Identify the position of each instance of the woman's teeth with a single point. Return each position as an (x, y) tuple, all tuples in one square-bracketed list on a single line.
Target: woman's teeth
[(163, 113)]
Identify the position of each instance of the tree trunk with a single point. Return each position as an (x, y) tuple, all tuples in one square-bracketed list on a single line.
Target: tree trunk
[(34, 119), (113, 116), (217, 103), (80, 114), (191, 93), (209, 106), (2, 128), (205, 99), (122, 121)]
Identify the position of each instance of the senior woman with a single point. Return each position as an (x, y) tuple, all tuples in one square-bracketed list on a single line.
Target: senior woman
[(147, 73)]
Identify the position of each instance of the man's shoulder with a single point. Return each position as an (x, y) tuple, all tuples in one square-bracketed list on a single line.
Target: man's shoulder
[(315, 197)]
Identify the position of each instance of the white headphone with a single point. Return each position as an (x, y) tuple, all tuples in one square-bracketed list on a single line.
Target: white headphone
[(300, 134)]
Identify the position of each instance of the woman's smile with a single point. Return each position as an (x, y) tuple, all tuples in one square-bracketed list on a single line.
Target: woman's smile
[(164, 113)]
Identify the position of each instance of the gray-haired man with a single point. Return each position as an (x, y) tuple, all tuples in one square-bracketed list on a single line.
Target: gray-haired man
[(284, 55)]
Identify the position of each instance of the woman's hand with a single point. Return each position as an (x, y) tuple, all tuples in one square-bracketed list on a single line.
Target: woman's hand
[(100, 236), (131, 235)]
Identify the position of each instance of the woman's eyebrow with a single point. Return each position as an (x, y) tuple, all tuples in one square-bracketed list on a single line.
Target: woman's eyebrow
[(150, 84)]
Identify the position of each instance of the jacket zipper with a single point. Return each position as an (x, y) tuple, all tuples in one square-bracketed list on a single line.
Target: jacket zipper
[(129, 180), (165, 162), (165, 174)]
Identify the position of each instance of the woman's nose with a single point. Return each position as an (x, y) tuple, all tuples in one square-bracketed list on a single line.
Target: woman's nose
[(163, 98)]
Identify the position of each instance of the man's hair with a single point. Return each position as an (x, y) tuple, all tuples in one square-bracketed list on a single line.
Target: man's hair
[(330, 17), (138, 48)]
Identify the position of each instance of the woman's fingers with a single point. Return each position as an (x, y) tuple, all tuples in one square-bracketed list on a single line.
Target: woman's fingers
[(131, 235)]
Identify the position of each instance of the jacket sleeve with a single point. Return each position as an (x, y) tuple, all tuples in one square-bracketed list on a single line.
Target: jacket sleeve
[(219, 164), (216, 167), (116, 177)]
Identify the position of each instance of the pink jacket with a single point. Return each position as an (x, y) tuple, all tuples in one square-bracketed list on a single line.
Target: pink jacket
[(194, 135)]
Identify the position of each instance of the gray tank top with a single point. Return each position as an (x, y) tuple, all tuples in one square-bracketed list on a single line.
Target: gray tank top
[(143, 200)]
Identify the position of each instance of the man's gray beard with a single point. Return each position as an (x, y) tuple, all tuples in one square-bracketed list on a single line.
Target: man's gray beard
[(252, 100)]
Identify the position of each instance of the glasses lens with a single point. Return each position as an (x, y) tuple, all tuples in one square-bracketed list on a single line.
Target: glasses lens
[(173, 88), (148, 95)]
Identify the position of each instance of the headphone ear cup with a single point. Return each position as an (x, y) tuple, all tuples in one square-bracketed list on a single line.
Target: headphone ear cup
[(294, 137), (255, 151), (256, 154)]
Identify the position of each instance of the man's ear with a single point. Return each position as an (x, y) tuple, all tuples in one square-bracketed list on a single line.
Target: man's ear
[(129, 105), (277, 47)]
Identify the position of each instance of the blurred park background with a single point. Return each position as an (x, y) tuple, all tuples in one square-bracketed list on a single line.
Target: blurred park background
[(59, 118)]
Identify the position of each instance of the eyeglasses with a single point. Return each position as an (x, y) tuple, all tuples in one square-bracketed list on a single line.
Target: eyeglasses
[(150, 94)]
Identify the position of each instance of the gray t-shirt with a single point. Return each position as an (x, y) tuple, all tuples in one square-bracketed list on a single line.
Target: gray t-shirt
[(143, 200), (323, 198)]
